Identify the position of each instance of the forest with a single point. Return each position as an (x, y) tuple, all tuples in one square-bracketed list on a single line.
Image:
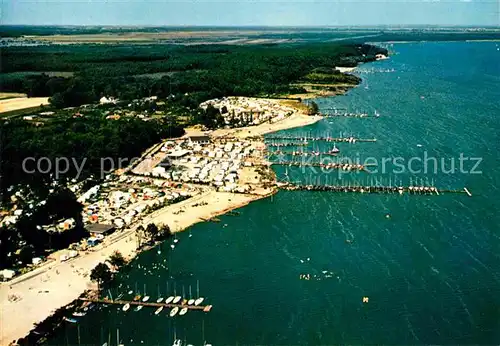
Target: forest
[(134, 71)]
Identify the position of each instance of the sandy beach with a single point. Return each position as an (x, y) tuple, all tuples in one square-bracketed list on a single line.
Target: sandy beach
[(295, 120)]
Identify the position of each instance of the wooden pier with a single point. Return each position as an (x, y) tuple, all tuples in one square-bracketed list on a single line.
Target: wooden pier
[(204, 308), (342, 112), (322, 138), (302, 154), (290, 144), (412, 190), (348, 115), (339, 166)]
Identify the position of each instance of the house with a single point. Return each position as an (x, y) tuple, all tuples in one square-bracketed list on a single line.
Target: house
[(99, 228), (199, 139)]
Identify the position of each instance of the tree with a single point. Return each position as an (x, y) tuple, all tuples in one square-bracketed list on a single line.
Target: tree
[(101, 274), (152, 231), (313, 108), (117, 260), (165, 230)]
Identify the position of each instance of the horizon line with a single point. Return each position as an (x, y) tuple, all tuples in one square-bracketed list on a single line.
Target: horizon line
[(406, 26)]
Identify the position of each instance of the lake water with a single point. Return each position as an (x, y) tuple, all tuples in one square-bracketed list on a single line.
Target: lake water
[(430, 265)]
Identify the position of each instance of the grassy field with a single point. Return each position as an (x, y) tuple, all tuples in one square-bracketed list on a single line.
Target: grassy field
[(6, 96)]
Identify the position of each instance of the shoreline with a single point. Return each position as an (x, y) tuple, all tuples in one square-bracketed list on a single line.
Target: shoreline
[(41, 295), (56, 284)]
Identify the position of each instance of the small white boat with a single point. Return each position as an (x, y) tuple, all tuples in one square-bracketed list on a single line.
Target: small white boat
[(126, 307), (183, 311), (169, 300), (130, 292), (199, 301), (174, 311), (172, 246), (177, 342), (145, 299), (177, 299), (79, 314), (158, 310), (70, 320), (190, 301), (159, 300), (176, 241), (138, 308)]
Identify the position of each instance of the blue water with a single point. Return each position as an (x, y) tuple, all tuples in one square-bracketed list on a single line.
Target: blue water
[(430, 265)]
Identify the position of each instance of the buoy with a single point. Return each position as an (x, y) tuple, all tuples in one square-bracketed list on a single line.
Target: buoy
[(388, 216)]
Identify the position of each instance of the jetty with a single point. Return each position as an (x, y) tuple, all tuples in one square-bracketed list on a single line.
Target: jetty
[(412, 190), (204, 308), (290, 144), (321, 138), (339, 166), (304, 153), (342, 112)]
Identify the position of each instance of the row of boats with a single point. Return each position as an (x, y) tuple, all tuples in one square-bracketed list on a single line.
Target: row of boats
[(172, 313), (350, 139), (289, 144), (332, 165), (334, 151), (352, 115), (365, 189)]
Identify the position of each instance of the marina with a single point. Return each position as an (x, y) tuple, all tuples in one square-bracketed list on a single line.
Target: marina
[(350, 139), (339, 166)]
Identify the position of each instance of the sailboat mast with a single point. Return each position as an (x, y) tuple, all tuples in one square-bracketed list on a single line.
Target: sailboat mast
[(78, 334)]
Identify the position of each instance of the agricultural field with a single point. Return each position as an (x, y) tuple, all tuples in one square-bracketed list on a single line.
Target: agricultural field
[(21, 103)]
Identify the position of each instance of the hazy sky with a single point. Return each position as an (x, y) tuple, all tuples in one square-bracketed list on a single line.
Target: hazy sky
[(250, 12)]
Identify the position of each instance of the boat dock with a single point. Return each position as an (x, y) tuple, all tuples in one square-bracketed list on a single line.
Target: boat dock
[(412, 190), (303, 154), (340, 166), (348, 115), (204, 308), (322, 138), (290, 144), (333, 112)]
